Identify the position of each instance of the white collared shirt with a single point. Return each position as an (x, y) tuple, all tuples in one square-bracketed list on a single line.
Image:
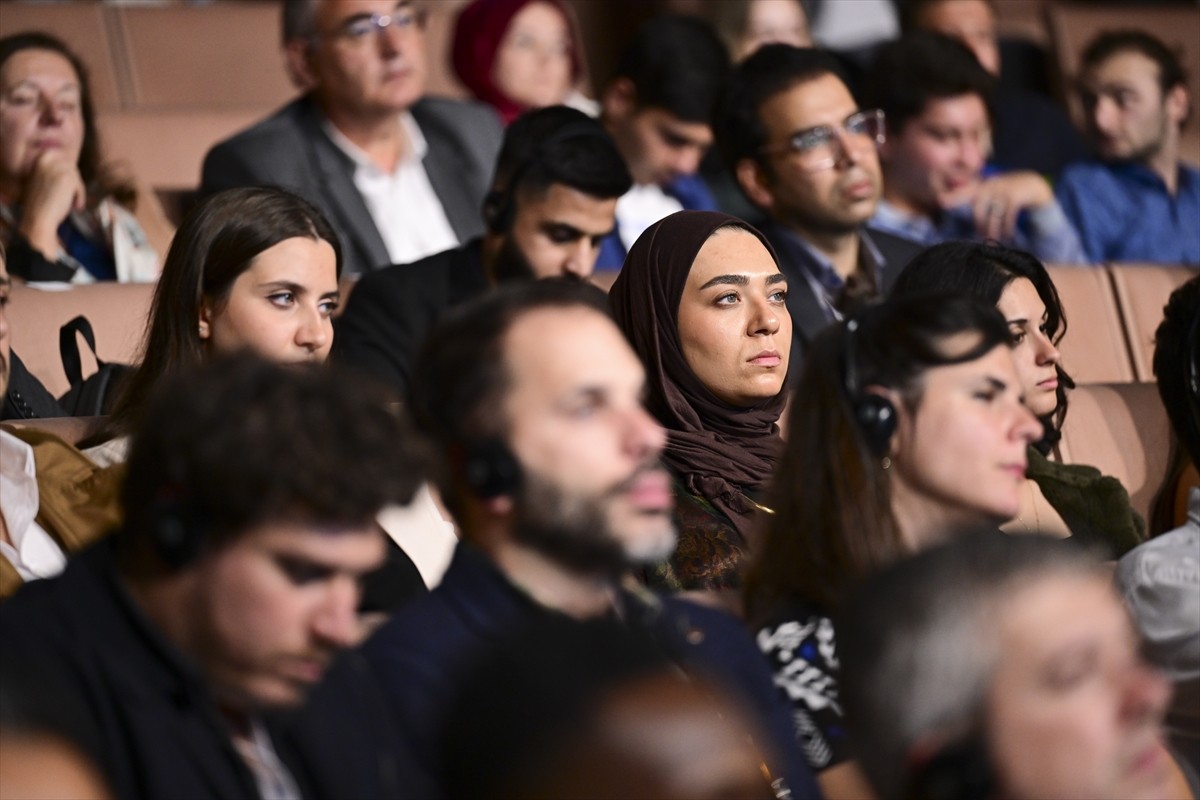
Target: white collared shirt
[(33, 552), (402, 203), (639, 208)]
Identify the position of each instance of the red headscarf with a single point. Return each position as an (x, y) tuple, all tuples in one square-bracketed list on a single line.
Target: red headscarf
[(480, 28)]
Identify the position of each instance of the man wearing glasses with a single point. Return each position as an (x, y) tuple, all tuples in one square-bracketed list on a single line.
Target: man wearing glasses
[(804, 152), (938, 185), (400, 176)]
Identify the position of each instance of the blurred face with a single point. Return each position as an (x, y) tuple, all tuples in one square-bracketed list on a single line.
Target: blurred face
[(363, 72), (1128, 117), (936, 161), (970, 22), (958, 458), (5, 338), (272, 607), (281, 307), (559, 232), (1034, 354), (40, 109), (594, 496), (1073, 710), (733, 319), (771, 21), (533, 64), (836, 198), (659, 147)]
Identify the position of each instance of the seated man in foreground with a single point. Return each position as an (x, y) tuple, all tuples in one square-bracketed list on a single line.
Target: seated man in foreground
[(550, 466), (250, 501)]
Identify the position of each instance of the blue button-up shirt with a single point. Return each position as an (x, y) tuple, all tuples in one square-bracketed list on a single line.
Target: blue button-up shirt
[(1123, 212)]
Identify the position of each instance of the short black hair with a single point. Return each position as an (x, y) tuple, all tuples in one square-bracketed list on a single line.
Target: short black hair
[(1177, 365), (911, 10), (918, 68), (771, 70), (678, 64), (240, 442), (460, 375), (1111, 43), (560, 145)]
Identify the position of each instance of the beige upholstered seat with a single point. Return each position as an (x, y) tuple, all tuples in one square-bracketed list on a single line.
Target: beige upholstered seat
[(1142, 291), (1094, 349)]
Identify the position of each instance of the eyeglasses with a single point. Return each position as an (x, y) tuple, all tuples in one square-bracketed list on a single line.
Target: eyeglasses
[(821, 147), (359, 29)]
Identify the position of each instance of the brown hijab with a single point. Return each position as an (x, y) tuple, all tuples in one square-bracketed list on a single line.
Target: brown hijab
[(720, 452)]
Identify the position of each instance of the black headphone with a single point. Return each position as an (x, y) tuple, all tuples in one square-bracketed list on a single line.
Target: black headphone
[(176, 525), (962, 770), (499, 206), (874, 413), (490, 469)]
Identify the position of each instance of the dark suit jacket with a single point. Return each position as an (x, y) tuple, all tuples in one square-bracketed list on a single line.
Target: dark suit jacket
[(290, 149), (809, 315), (392, 310)]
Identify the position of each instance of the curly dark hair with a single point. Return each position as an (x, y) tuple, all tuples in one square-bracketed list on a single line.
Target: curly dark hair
[(239, 442)]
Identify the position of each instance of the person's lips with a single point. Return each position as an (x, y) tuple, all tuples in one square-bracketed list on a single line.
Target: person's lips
[(1050, 384), (650, 490), (859, 190), (1015, 469), (307, 670), (767, 358)]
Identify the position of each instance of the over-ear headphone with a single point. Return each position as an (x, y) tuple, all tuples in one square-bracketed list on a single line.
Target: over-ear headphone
[(499, 206), (962, 770), (490, 469), (177, 528), (874, 413)]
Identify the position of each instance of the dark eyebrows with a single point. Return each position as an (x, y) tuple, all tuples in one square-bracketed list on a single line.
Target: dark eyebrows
[(778, 277), (742, 280)]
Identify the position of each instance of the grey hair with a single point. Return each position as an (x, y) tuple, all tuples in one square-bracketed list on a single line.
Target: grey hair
[(917, 644)]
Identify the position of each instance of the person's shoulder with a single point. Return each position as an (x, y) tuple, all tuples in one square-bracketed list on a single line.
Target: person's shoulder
[(1089, 173), (429, 278), (459, 112), (286, 123), (893, 246)]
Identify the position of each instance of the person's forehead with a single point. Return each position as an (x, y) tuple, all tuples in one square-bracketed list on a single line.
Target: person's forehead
[(554, 351), (1126, 67), (333, 12), (957, 14), (818, 101), (564, 204), (1052, 613), (338, 546), (695, 132), (40, 65), (963, 110)]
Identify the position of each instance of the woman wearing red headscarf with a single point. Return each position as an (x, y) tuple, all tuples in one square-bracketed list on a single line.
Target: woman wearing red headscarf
[(516, 55)]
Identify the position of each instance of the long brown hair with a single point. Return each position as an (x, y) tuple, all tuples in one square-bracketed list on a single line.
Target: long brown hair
[(833, 520)]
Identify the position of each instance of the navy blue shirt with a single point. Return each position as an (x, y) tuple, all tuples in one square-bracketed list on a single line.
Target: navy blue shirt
[(1123, 212)]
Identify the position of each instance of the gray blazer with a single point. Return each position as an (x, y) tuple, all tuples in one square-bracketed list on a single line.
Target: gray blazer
[(291, 150)]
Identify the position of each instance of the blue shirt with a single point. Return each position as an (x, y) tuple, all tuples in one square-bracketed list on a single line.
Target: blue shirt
[(1123, 212), (1046, 232), (692, 193)]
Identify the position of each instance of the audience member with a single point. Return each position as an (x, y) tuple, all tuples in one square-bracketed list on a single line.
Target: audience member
[(658, 106), (703, 303), (1032, 131), (572, 708), (399, 175), (249, 269), (1059, 499), (249, 518), (1138, 202), (746, 25), (24, 395), (65, 214), (516, 55), (550, 467), (1161, 579), (1002, 666), (907, 423), (552, 200), (56, 500), (805, 153), (936, 184)]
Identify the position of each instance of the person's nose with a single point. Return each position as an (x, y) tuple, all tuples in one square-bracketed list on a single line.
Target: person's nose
[(764, 319), (1026, 426), (51, 114), (1146, 692), (687, 159), (314, 330), (336, 623), (849, 148), (1046, 352), (1104, 114), (645, 437), (391, 41), (581, 259)]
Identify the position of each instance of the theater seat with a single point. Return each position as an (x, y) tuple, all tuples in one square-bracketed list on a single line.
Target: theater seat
[(1094, 349), (117, 311), (1122, 430), (1142, 291)]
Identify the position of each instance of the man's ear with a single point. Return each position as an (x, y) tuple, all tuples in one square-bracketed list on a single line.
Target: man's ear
[(1178, 104), (753, 179), (619, 100), (298, 59)]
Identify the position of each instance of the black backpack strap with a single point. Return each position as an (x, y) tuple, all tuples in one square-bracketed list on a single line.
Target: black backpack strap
[(68, 347)]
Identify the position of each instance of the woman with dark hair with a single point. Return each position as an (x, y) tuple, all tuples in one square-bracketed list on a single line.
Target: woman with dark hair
[(253, 268), (703, 303), (907, 426), (1058, 499), (516, 55), (64, 215)]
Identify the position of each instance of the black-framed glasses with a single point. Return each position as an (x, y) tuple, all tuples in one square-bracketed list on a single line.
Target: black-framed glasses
[(359, 29), (821, 147)]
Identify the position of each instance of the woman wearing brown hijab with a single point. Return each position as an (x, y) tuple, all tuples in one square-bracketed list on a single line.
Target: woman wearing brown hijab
[(702, 301)]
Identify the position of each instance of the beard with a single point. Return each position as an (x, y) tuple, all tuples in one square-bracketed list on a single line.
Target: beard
[(577, 531), (510, 264)]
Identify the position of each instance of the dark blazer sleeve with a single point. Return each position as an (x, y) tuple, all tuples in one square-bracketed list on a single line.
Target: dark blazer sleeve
[(381, 328)]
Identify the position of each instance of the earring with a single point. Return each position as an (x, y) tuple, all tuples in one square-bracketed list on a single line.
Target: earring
[(885, 462)]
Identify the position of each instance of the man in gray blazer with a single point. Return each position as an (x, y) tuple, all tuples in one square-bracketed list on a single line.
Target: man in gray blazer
[(400, 176)]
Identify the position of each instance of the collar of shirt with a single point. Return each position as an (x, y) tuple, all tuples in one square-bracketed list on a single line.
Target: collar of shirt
[(418, 145), (827, 285), (33, 552)]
